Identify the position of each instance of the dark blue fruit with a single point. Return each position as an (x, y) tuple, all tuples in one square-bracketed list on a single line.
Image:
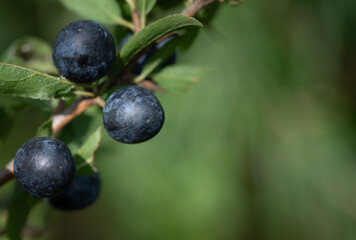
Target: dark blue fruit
[(145, 58), (132, 115), (83, 51), (83, 191), (44, 167)]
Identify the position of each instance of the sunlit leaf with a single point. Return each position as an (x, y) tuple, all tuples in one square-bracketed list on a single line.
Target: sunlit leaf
[(84, 157), (103, 11), (22, 82)]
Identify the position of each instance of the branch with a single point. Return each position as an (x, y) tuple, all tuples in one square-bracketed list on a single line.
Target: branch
[(194, 7), (150, 86), (62, 119), (191, 10), (7, 173), (125, 76), (135, 14)]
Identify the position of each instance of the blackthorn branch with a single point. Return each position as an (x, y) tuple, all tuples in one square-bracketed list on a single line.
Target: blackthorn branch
[(65, 117), (62, 119)]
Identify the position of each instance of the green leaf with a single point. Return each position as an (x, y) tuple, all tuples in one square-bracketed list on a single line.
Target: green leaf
[(19, 209), (84, 157), (180, 77), (45, 130), (104, 11), (146, 4), (79, 129), (22, 82), (158, 59), (148, 36), (153, 32), (31, 52)]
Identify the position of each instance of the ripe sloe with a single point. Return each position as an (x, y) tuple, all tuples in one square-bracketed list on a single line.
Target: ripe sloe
[(83, 191), (83, 51), (44, 166), (132, 115)]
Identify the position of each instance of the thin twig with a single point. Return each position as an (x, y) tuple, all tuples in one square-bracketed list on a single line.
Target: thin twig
[(196, 6), (151, 86), (7, 173), (60, 107), (62, 119), (135, 14)]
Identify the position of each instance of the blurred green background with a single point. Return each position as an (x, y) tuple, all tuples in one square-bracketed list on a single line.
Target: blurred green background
[(262, 148)]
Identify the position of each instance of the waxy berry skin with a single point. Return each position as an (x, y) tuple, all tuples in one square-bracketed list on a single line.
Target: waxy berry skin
[(132, 115), (83, 192), (83, 51), (44, 167)]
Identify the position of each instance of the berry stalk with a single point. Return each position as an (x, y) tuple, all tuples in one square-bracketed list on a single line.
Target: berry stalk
[(7, 173)]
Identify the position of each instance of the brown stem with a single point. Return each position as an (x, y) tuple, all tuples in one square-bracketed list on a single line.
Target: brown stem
[(196, 6), (150, 86), (60, 107), (7, 173), (62, 119), (136, 16)]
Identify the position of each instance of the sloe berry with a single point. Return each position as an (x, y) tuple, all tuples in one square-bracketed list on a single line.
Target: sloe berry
[(83, 51), (132, 115), (83, 191), (44, 166)]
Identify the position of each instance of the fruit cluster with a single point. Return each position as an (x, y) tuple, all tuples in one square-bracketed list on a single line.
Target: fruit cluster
[(83, 52)]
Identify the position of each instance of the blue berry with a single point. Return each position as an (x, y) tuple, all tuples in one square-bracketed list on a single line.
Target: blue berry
[(44, 167), (83, 51), (83, 191), (132, 115)]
